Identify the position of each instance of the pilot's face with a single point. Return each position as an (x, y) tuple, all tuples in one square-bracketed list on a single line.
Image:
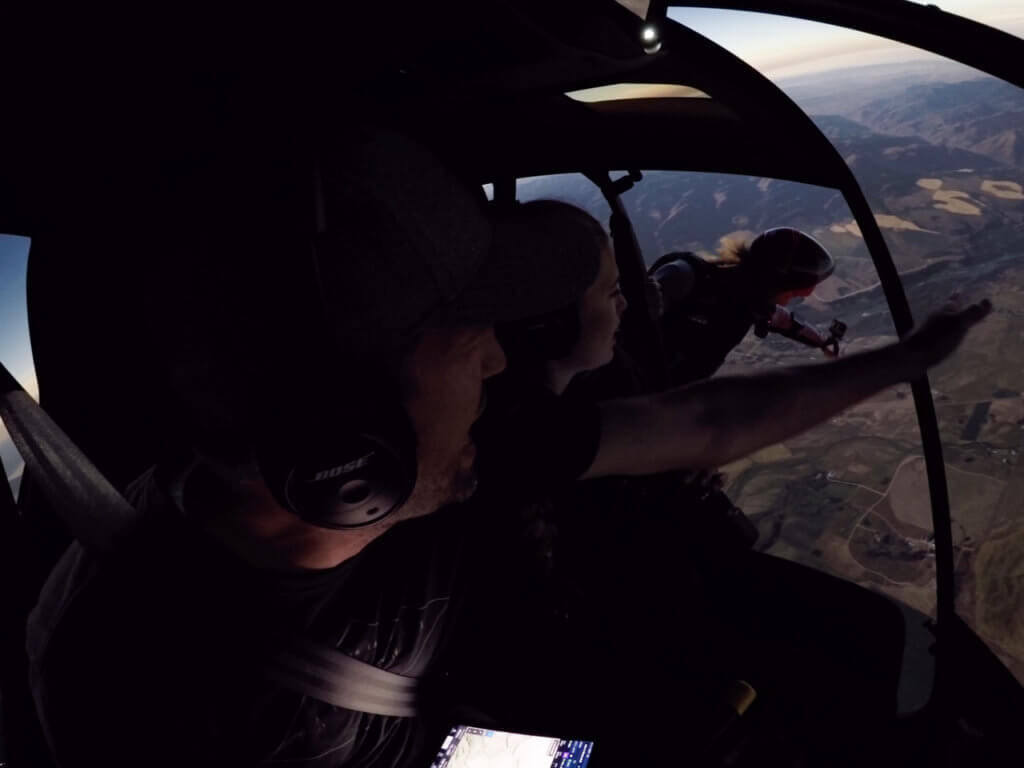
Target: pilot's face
[(443, 396), (601, 309)]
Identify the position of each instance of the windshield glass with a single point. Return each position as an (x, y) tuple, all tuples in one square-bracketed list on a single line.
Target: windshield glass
[(15, 350), (938, 149), (781, 47)]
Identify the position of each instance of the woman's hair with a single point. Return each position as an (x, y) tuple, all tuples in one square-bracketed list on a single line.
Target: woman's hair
[(567, 225), (734, 248), (559, 228)]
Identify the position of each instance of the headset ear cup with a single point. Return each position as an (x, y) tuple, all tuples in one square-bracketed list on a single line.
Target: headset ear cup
[(341, 479)]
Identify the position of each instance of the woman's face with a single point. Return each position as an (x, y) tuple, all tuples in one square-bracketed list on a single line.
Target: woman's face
[(601, 309)]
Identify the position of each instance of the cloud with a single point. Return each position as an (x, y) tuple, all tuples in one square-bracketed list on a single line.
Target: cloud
[(783, 47), (815, 54), (843, 58)]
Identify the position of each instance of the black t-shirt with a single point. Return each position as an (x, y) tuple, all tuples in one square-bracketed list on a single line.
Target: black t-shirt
[(532, 448), (532, 442), (148, 656)]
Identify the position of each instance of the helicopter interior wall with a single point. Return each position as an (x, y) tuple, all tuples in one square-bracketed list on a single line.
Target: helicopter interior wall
[(747, 126), (552, 136)]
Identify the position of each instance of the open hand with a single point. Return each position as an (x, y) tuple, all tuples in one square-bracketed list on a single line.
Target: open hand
[(939, 336)]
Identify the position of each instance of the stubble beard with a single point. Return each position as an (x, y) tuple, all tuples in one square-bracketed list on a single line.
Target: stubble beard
[(464, 476), (454, 485)]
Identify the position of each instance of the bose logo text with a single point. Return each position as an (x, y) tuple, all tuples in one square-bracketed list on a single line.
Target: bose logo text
[(343, 468)]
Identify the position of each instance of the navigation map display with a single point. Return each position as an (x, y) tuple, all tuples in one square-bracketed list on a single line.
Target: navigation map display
[(468, 747)]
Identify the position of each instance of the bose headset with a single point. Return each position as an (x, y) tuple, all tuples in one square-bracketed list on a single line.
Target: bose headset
[(350, 460)]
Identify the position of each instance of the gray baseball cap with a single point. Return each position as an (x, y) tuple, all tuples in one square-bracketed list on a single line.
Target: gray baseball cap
[(407, 244), (401, 243)]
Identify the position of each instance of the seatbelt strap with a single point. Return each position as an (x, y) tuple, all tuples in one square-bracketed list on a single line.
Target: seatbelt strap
[(94, 512), (98, 517), (324, 673)]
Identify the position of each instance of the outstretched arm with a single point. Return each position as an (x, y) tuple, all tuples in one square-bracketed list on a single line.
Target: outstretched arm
[(785, 323), (719, 420)]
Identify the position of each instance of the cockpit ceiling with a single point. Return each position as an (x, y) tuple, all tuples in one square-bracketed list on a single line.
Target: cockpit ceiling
[(560, 135)]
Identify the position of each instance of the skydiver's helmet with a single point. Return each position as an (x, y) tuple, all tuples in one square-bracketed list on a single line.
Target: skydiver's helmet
[(786, 260)]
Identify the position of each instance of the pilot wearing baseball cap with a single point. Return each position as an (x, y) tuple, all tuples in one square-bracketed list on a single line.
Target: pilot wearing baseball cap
[(327, 361)]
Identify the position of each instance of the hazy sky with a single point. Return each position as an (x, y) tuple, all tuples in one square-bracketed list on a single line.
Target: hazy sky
[(783, 47), (14, 348)]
